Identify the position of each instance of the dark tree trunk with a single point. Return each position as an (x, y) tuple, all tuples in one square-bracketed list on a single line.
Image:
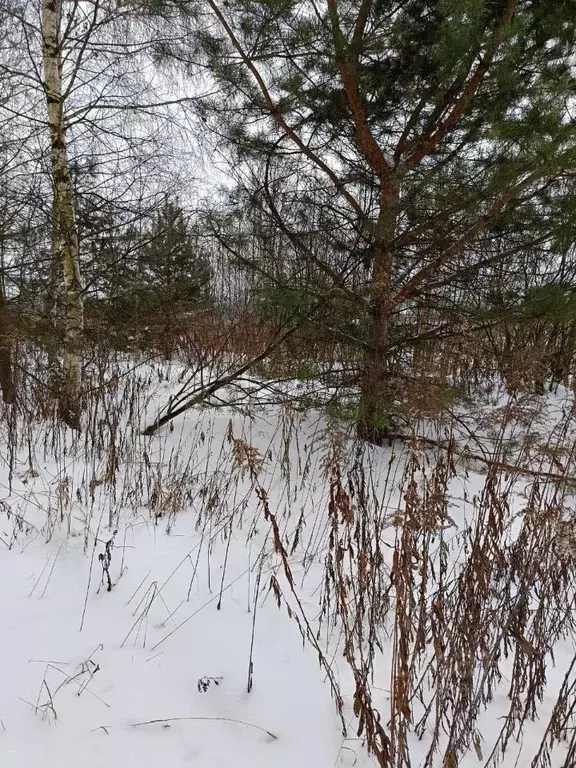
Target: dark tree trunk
[(6, 346), (375, 422)]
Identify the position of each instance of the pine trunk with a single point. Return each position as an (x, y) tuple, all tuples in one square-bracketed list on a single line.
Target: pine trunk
[(375, 422), (7, 384), (65, 232)]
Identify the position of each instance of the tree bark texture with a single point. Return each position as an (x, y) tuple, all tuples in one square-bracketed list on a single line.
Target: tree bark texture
[(375, 420), (65, 230)]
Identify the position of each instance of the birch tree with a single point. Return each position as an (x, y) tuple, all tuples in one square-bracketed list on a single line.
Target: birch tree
[(65, 235), (87, 102)]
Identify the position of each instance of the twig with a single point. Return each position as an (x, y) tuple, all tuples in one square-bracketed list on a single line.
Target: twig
[(500, 465), (207, 719)]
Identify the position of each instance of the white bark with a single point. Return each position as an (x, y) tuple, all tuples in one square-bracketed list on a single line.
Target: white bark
[(65, 231)]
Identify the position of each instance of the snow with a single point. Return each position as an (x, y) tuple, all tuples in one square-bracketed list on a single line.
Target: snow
[(97, 711), (155, 671)]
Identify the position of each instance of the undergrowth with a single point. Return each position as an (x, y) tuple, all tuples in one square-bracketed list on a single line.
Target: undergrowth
[(442, 568)]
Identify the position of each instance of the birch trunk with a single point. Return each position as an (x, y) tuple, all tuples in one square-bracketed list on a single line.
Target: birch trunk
[(65, 232), (54, 306)]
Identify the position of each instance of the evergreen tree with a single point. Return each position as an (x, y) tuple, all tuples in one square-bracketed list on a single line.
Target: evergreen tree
[(156, 273), (437, 136)]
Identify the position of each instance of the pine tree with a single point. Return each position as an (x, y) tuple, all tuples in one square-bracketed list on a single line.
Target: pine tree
[(156, 272), (172, 273), (440, 135)]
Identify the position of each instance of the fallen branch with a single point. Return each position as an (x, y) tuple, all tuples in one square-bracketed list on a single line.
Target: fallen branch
[(200, 395)]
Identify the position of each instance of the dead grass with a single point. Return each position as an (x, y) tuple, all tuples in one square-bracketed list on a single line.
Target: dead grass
[(436, 611)]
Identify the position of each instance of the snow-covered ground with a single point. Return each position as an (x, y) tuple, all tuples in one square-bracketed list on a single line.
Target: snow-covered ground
[(156, 669)]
